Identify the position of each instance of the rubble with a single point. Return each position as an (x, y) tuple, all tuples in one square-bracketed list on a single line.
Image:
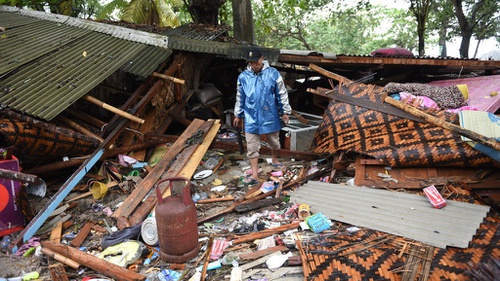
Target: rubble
[(94, 212)]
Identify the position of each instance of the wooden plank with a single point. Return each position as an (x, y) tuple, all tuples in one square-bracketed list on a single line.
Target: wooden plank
[(56, 233), (148, 205), (265, 233), (145, 128), (135, 198), (57, 272), (257, 254), (419, 177), (82, 234), (197, 156), (99, 265)]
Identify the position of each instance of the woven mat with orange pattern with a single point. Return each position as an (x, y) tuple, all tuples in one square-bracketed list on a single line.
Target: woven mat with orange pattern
[(394, 140)]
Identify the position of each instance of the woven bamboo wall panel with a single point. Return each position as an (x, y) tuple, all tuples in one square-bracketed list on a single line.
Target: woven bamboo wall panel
[(38, 141), (394, 140)]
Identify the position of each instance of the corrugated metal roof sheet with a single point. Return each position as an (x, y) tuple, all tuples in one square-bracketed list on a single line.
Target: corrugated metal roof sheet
[(46, 66), (229, 50), (398, 213), (197, 31), (146, 61)]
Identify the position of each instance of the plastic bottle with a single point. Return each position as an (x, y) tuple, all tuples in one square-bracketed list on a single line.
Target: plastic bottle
[(236, 272), (5, 241)]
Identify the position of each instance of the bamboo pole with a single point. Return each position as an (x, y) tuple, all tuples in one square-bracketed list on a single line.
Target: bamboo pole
[(447, 125), (324, 72), (69, 262), (169, 78), (79, 127), (86, 117), (113, 109)]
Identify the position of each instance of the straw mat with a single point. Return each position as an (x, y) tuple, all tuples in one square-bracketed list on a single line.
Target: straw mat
[(395, 141)]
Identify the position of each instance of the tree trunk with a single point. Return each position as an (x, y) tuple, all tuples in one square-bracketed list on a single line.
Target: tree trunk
[(442, 42), (243, 21), (421, 39), (204, 11), (466, 25), (477, 48)]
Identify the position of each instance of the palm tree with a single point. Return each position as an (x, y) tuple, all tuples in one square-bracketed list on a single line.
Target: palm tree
[(150, 12)]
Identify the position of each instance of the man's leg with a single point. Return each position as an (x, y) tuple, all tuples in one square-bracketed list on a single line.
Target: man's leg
[(273, 139), (253, 147)]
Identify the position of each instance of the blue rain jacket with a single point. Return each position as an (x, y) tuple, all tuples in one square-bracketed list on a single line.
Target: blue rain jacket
[(261, 98)]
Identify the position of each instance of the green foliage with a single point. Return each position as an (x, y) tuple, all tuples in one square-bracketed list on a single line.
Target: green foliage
[(157, 12), (115, 6), (332, 26)]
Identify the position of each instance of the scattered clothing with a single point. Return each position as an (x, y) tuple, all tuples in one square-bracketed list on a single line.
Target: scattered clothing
[(445, 96)]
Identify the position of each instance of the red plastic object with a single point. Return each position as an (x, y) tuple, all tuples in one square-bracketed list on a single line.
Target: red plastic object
[(434, 197)]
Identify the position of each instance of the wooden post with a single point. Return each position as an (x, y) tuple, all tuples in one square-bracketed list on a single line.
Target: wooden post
[(264, 233), (113, 109), (443, 124), (99, 265)]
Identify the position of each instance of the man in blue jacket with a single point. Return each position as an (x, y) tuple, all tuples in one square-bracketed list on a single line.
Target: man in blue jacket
[(261, 99)]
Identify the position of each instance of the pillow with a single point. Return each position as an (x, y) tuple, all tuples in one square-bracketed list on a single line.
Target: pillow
[(207, 92), (399, 52)]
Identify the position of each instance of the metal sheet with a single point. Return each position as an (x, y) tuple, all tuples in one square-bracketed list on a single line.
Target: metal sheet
[(398, 213)]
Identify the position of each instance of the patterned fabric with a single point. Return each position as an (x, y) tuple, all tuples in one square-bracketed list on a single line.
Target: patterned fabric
[(445, 96), (395, 141)]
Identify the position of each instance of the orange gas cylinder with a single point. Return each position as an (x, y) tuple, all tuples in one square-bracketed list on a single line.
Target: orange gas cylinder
[(177, 224)]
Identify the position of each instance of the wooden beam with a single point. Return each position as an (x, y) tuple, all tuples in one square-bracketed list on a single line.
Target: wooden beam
[(86, 117), (77, 127), (195, 159), (99, 265), (82, 234), (264, 233), (257, 254), (135, 198), (182, 159), (56, 233)]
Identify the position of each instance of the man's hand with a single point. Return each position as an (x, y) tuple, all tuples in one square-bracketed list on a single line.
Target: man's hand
[(285, 118), (236, 122)]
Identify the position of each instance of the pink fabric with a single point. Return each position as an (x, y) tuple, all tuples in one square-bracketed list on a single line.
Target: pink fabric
[(399, 52), (418, 101), (217, 248), (468, 107)]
